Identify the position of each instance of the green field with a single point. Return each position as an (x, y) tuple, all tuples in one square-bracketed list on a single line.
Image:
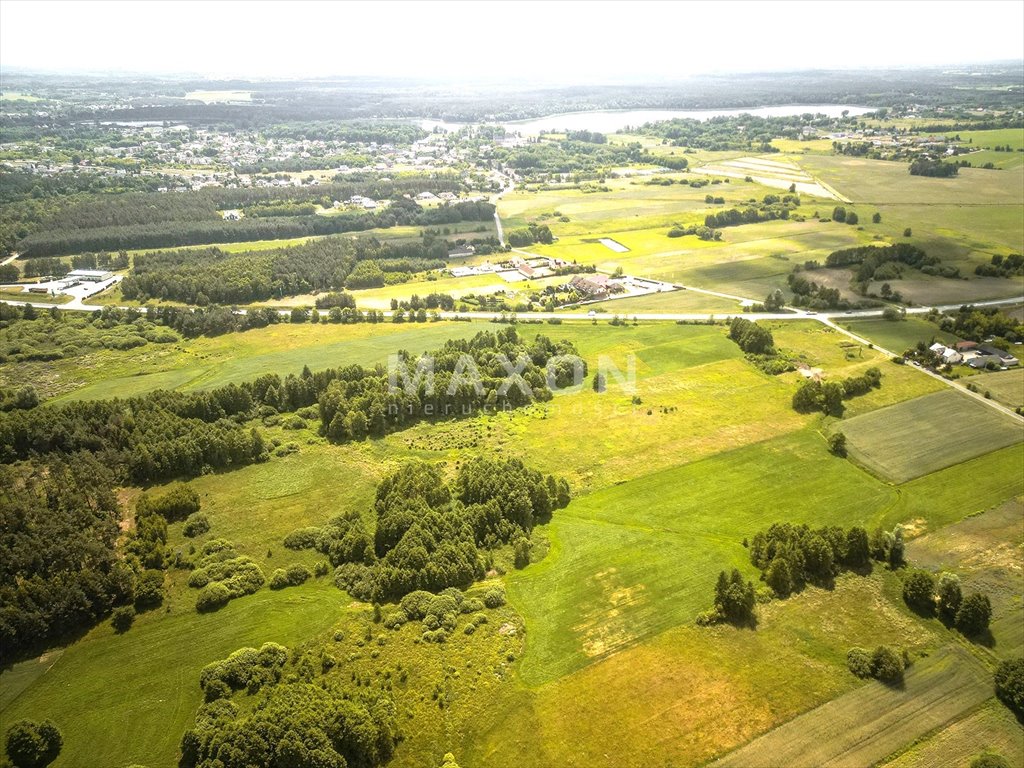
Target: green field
[(620, 599), (900, 336), (929, 433)]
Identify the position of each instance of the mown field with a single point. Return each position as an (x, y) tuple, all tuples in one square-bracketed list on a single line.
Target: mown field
[(865, 725), (900, 336), (1005, 386), (923, 435)]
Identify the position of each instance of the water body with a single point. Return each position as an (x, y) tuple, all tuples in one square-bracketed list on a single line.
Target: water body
[(610, 121)]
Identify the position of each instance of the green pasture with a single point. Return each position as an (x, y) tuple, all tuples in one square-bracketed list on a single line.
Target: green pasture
[(928, 433)]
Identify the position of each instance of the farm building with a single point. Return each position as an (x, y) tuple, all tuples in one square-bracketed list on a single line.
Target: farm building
[(461, 251), (593, 286), (947, 354), (89, 275), (1005, 358)]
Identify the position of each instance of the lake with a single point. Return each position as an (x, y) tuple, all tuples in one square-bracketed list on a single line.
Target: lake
[(610, 121)]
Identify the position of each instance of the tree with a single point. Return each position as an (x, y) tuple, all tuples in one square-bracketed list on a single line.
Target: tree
[(31, 745), (837, 444), (895, 547), (1009, 682), (857, 550), (908, 232), (859, 662), (851, 218), (919, 591), (734, 599), (887, 664), (974, 614), (877, 218), (774, 301), (949, 595), (839, 214), (599, 382), (779, 577)]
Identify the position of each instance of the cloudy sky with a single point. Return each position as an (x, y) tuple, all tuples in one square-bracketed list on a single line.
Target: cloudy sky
[(556, 41)]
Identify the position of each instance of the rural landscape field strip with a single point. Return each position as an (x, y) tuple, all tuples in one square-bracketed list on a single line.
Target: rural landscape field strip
[(864, 726), (917, 437)]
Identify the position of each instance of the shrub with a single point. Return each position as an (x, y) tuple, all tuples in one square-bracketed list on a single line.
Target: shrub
[(395, 619), (469, 629), (212, 597), (859, 662), (303, 538), (1009, 682), (195, 525), (278, 579), (122, 619), (949, 596), (837, 444), (149, 589), (887, 664), (415, 604), (990, 760), (321, 568), (494, 597)]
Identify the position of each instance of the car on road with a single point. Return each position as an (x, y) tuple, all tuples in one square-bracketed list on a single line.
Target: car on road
[(592, 313)]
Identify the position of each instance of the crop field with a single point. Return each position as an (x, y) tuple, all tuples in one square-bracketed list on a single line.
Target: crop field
[(772, 173), (865, 725), (1005, 386), (992, 728), (917, 437), (666, 301)]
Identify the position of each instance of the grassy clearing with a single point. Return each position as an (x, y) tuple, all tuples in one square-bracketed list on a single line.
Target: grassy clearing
[(135, 693), (667, 301), (620, 599), (929, 433), (865, 725), (991, 728), (694, 693), (899, 336)]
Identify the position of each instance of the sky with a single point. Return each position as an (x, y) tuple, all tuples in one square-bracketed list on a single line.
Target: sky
[(491, 39)]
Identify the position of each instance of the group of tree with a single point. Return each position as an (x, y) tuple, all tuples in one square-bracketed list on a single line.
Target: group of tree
[(771, 208), (59, 571), (791, 556), (1002, 266), (980, 323), (743, 133), (203, 228), (882, 262), (884, 663), (751, 337), (1009, 683), (534, 233), (827, 397), (810, 293), (970, 614), (27, 334), (468, 375), (32, 745), (292, 724), (430, 534), (925, 166)]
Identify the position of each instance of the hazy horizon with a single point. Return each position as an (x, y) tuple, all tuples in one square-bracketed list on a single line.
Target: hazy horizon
[(550, 43)]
